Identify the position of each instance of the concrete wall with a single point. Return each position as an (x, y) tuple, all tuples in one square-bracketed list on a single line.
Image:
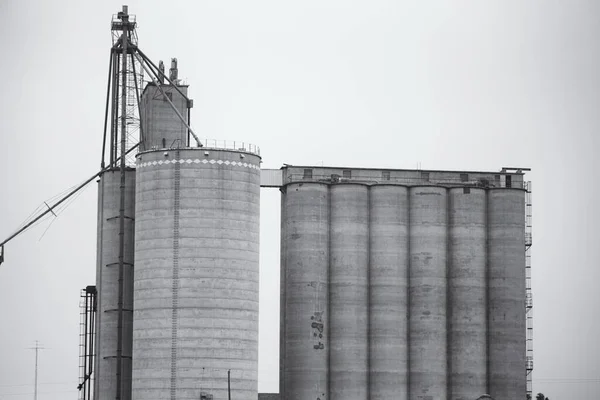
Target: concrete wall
[(107, 284), (394, 176), (196, 280), (161, 127), (268, 396), (426, 291)]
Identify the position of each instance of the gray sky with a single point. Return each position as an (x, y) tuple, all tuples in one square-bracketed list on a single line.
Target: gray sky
[(447, 84)]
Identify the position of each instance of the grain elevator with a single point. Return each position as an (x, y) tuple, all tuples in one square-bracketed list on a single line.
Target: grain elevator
[(395, 283), (402, 284)]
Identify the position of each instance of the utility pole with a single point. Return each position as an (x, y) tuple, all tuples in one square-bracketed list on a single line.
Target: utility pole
[(37, 348)]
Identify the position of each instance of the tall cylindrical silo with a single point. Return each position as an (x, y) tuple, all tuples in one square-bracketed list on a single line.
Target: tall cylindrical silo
[(388, 292), (506, 293), (282, 298), (107, 283), (428, 306), (306, 266), (348, 292), (196, 281), (467, 345)]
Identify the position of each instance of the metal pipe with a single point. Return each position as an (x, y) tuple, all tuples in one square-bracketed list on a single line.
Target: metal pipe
[(124, 40), (170, 103), (85, 347), (115, 103), (137, 94), (71, 193), (141, 53), (229, 384), (160, 75), (189, 116), (92, 335), (110, 62)]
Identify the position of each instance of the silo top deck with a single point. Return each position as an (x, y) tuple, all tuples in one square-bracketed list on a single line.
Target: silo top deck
[(213, 144), (505, 178)]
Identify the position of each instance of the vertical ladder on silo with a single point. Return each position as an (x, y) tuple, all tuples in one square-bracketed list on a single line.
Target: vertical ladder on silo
[(87, 335), (528, 294)]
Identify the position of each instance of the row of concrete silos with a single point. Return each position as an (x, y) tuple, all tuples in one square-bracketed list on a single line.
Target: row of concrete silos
[(395, 292), (192, 233)]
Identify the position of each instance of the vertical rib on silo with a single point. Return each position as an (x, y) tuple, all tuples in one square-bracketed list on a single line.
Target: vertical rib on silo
[(107, 283), (305, 270), (348, 293), (388, 292), (506, 296), (196, 288), (428, 306), (467, 293)]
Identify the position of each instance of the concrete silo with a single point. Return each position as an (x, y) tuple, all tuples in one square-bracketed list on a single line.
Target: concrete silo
[(388, 292), (196, 253), (348, 292), (506, 288), (424, 272), (305, 234), (467, 321), (196, 278), (427, 292), (107, 283)]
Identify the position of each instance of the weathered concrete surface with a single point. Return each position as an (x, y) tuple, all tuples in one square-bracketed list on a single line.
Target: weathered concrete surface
[(162, 128), (196, 281), (467, 346), (107, 284), (348, 293), (463, 247), (428, 306), (269, 396), (388, 293), (506, 286), (305, 318)]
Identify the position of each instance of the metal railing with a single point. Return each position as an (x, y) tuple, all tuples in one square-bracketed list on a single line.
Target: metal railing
[(231, 145), (409, 181)]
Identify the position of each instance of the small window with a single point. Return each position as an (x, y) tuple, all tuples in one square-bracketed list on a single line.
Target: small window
[(466, 190), (347, 174), (425, 176), (464, 177), (308, 173), (385, 175), (508, 181)]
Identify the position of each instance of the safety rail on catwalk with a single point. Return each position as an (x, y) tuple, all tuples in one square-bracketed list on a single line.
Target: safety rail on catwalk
[(216, 144)]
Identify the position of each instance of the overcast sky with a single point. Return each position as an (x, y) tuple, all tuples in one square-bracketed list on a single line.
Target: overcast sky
[(473, 85)]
